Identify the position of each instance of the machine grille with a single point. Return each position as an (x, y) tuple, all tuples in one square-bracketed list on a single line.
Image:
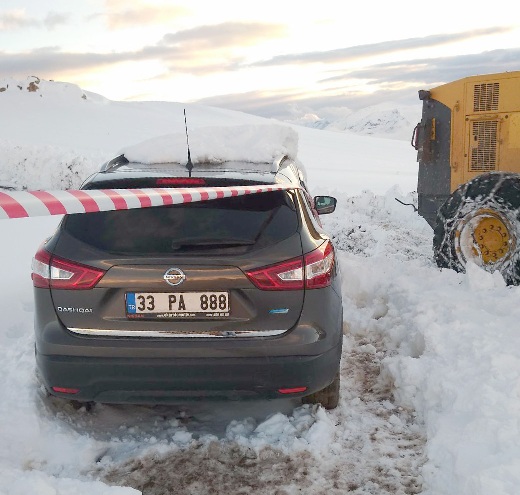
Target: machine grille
[(485, 97), (484, 151)]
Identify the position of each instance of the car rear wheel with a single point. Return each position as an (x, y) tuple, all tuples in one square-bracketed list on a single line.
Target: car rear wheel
[(479, 223), (327, 397)]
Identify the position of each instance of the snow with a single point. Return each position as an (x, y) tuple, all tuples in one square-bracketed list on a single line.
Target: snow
[(431, 368), (249, 143), (383, 120)]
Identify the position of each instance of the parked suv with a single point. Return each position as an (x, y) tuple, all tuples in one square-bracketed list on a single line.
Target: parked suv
[(236, 297)]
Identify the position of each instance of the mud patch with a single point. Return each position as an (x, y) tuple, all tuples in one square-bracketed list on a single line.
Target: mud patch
[(215, 469), (370, 447)]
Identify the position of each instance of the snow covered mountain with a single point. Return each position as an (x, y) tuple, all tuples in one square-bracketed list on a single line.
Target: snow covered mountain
[(384, 120), (388, 120), (68, 132)]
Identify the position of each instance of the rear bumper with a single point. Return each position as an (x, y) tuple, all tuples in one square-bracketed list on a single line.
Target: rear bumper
[(155, 381), (154, 371)]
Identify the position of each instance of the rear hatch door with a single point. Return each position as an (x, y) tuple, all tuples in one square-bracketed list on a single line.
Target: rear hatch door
[(180, 270)]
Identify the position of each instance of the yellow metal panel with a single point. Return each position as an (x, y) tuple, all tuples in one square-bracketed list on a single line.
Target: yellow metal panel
[(514, 131), (509, 143), (490, 97), (451, 92)]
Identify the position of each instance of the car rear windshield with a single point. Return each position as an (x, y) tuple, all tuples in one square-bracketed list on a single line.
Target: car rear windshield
[(238, 223)]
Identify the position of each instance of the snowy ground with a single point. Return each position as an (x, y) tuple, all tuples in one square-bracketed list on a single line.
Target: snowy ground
[(431, 367), (368, 445)]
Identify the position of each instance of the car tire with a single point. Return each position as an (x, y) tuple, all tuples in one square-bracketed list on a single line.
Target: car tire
[(77, 405), (479, 222), (327, 397)]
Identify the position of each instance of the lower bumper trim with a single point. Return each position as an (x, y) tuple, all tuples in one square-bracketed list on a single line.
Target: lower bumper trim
[(97, 332)]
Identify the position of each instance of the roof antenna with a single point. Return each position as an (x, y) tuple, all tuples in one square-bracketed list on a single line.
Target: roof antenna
[(189, 165)]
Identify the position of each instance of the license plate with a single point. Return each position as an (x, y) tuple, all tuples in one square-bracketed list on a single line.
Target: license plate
[(177, 304)]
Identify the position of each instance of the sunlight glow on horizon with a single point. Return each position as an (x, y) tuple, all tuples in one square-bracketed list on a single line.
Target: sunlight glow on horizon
[(157, 51)]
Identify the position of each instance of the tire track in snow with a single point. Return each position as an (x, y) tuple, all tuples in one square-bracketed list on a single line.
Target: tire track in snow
[(375, 448)]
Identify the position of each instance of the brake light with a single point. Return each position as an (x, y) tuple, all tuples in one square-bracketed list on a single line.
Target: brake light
[(59, 273), (180, 181), (294, 390), (312, 271), (65, 390), (319, 266), (287, 275)]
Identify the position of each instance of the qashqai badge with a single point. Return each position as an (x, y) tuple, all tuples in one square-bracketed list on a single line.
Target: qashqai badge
[(174, 276)]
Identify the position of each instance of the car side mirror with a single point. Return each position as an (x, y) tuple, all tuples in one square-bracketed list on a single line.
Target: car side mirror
[(324, 204)]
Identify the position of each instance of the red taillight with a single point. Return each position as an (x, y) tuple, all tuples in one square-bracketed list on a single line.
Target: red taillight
[(59, 273), (312, 271), (180, 181), (319, 266), (294, 390), (65, 390), (287, 275)]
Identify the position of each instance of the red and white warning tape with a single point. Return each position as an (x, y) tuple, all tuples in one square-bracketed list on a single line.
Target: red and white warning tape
[(19, 204)]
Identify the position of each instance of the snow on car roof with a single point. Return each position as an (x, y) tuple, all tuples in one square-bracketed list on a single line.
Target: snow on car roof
[(242, 143)]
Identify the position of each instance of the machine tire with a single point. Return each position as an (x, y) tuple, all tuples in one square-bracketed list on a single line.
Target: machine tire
[(327, 397), (480, 222)]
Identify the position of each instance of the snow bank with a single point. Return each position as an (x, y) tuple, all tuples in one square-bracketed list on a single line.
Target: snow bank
[(57, 91), (463, 378), (455, 341), (38, 483), (48, 167)]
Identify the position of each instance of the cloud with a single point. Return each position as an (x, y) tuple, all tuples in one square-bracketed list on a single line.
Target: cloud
[(199, 51), (390, 82), (118, 14), (223, 48), (51, 61), (53, 19), (294, 105), (264, 103), (370, 50), (209, 49), (225, 35), (47, 62), (12, 20), (436, 70)]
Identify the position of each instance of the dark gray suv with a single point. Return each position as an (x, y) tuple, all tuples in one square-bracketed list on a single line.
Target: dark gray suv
[(235, 297)]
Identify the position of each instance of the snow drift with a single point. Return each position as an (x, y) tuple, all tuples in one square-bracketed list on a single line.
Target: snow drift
[(431, 369)]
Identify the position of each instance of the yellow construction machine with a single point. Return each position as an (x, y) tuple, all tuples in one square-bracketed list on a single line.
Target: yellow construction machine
[(468, 149)]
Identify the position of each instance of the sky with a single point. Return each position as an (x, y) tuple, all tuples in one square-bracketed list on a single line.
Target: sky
[(430, 378), (274, 59), (279, 59)]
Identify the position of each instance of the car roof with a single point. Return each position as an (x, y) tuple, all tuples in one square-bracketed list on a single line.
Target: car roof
[(283, 170)]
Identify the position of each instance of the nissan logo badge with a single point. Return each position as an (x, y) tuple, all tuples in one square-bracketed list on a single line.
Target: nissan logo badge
[(174, 276)]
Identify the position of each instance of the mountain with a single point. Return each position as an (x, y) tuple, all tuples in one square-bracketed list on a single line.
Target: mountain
[(386, 120), (57, 134)]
